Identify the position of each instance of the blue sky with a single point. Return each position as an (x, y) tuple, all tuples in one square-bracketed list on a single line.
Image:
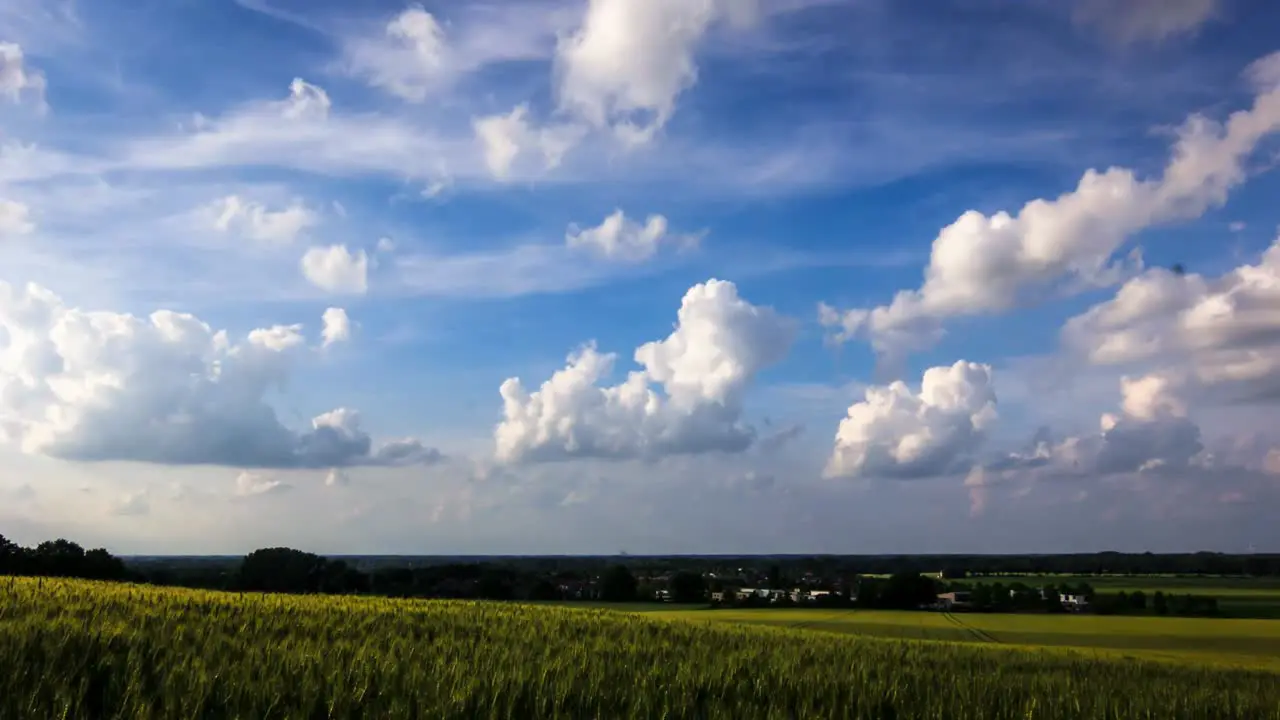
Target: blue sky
[(878, 276)]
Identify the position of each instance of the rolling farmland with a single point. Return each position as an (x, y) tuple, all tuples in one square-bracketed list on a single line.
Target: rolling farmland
[(79, 649), (1220, 641)]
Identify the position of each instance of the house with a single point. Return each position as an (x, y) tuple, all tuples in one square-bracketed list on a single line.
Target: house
[(957, 600), (1075, 602), (808, 596)]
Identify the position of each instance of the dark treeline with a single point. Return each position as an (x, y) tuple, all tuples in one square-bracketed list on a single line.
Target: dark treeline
[(826, 580), (59, 558), (1103, 563), (1021, 597)]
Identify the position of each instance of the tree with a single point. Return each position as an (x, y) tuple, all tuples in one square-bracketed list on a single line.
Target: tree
[(688, 587), (908, 591), (544, 589), (1160, 603), (1138, 600), (282, 570), (101, 565), (10, 556), (775, 577), (57, 558), (618, 585)]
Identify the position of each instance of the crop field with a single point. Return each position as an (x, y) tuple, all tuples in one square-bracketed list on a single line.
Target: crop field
[(91, 650), (1206, 641)]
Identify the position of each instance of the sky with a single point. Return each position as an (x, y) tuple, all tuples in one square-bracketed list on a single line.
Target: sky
[(646, 276)]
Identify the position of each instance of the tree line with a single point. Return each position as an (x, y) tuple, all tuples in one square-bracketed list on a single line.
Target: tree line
[(59, 558), (628, 579)]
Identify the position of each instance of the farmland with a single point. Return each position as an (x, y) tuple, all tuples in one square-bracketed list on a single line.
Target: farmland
[(79, 649), (1230, 642)]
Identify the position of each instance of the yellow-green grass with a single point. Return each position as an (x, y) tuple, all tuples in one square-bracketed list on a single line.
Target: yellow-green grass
[(1219, 641), (89, 650)]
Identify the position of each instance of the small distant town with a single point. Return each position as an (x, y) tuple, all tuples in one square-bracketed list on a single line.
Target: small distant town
[(1031, 584)]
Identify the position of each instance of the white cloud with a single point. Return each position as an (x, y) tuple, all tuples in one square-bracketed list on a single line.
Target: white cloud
[(895, 432), (1151, 435), (1264, 72), (337, 269), (278, 338), (336, 478), (1152, 431), (305, 102), (720, 343), (989, 264), (250, 484), (630, 60), (408, 60), (414, 55), (253, 220), (1220, 334), (17, 78), (138, 503), (619, 238), (337, 326), (15, 218), (505, 140), (1129, 21), (165, 389), (406, 451), (302, 131)]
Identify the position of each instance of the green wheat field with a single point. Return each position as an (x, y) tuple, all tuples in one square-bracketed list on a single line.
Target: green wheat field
[(71, 649)]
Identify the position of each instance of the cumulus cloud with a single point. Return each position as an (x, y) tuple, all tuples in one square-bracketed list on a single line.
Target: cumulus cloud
[(720, 343), (254, 221), (336, 269), (18, 80), (165, 389), (619, 238), (630, 60), (337, 326), (897, 433), (1150, 434), (509, 142), (989, 264), (15, 219), (1220, 334), (1128, 21), (250, 484)]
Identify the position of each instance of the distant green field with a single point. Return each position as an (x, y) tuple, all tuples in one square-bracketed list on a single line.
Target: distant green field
[(1237, 596), (1208, 641)]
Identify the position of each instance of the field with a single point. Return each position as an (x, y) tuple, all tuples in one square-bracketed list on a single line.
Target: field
[(1205, 641), (87, 650)]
